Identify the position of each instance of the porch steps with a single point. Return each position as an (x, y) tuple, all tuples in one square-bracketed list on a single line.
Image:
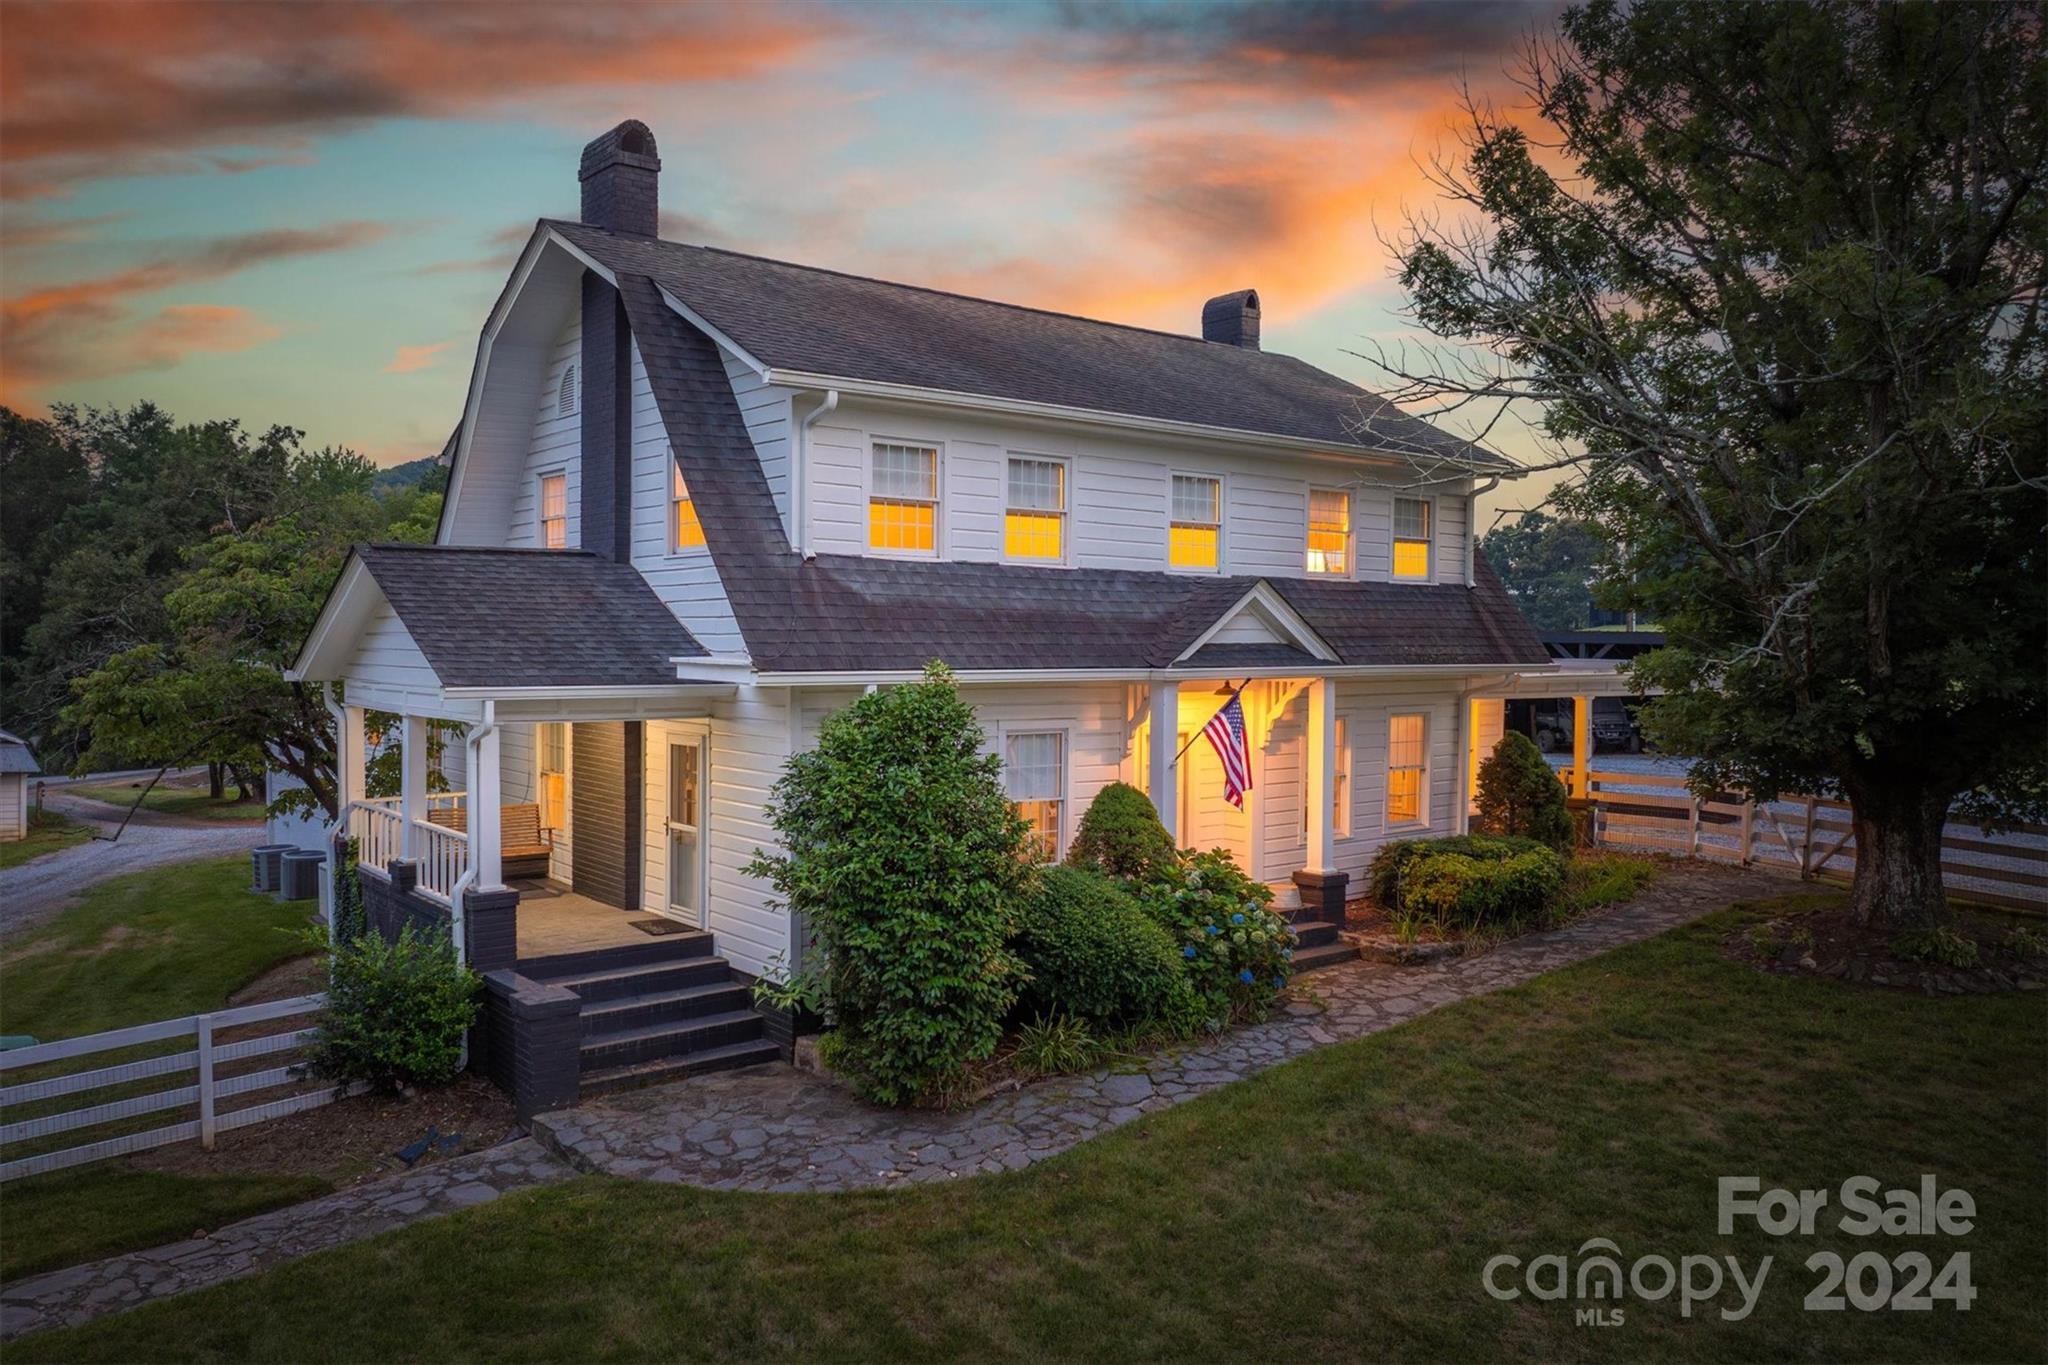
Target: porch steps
[(1316, 944), (657, 1011)]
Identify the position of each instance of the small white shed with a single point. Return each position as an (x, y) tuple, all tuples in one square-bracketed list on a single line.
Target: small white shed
[(17, 765)]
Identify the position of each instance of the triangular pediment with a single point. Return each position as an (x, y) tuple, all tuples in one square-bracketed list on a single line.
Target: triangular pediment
[(1261, 617)]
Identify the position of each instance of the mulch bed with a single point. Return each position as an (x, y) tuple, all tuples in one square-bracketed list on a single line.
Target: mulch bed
[(1826, 942), (350, 1140)]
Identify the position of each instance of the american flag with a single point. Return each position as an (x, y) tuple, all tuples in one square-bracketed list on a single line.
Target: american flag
[(1226, 732)]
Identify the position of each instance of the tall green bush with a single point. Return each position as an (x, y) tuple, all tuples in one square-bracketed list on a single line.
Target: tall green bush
[(904, 854), (1520, 794), (1092, 952), (396, 1012), (1394, 860), (1120, 835)]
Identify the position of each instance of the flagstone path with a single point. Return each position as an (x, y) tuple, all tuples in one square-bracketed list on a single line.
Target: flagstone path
[(776, 1128)]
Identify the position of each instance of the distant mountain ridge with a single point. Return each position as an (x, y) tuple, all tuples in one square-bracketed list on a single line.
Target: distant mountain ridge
[(405, 475)]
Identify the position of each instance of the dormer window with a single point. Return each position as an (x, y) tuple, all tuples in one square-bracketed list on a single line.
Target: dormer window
[(566, 396), (1195, 539), (1035, 518), (554, 511), (1413, 527), (685, 531), (903, 499), (1329, 532)]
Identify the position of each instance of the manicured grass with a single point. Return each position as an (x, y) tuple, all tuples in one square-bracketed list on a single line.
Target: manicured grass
[(1340, 1207), (1598, 877), (71, 1217), (47, 833), (153, 945), (182, 802)]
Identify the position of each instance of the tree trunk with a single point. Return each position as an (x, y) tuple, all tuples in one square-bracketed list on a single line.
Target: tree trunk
[(216, 781), (1898, 854)]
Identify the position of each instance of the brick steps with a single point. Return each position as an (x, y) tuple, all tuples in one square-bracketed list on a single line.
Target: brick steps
[(1323, 955), (632, 1075)]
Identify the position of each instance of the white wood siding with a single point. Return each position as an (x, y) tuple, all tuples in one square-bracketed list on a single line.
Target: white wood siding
[(1117, 492), (687, 582), (555, 446), (13, 805), (766, 410)]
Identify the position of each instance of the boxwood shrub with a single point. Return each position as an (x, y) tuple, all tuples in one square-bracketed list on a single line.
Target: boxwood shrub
[(1392, 864), (1120, 835), (1470, 880), (1092, 952)]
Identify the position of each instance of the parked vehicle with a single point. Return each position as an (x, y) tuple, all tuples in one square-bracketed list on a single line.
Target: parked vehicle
[(1549, 722)]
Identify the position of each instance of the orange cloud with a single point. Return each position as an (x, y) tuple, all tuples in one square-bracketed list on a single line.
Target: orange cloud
[(91, 88), (411, 358)]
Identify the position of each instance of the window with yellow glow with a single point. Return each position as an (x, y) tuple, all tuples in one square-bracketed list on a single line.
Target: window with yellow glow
[(686, 532), (1329, 531), (554, 511), (1340, 788), (554, 768), (1405, 766), (1195, 535), (903, 499), (1035, 772), (1035, 517), (1411, 538)]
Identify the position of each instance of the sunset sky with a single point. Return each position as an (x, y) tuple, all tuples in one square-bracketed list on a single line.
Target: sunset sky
[(301, 213)]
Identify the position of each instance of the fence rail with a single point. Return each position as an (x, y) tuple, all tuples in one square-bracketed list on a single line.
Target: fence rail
[(211, 1061), (1811, 835)]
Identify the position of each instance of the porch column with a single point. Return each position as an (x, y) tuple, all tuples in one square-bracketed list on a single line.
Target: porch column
[(412, 783), (1165, 722), (350, 780), (1582, 744), (485, 841), (1322, 770)]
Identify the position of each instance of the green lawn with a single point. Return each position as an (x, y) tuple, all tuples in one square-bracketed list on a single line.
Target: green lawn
[(70, 1217), (1339, 1207), (47, 832), (183, 802), (154, 945)]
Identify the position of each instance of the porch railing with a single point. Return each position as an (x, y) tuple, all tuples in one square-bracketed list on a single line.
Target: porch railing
[(442, 855), (379, 833), (435, 801)]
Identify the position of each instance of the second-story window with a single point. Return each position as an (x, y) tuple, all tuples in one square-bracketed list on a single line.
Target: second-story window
[(685, 532), (1194, 540), (1035, 517), (1412, 532), (903, 499), (1329, 531), (554, 511)]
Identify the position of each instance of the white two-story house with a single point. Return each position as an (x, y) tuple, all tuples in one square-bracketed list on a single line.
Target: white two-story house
[(699, 500)]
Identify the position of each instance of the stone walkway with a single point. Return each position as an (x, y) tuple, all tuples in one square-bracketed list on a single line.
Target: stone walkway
[(64, 1297), (775, 1128)]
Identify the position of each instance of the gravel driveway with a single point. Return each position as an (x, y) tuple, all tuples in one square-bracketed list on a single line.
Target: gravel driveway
[(36, 891)]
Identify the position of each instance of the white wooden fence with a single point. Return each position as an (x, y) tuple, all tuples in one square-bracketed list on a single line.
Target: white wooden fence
[(211, 1062), (1812, 836)]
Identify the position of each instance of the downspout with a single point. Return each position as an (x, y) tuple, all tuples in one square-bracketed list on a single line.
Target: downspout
[(799, 476), (1472, 527), (471, 745)]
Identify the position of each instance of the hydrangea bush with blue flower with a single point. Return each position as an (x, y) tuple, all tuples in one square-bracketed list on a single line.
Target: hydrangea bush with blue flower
[(1237, 952)]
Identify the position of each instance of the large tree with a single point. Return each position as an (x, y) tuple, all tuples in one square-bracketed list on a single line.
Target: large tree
[(1773, 275), (1548, 565)]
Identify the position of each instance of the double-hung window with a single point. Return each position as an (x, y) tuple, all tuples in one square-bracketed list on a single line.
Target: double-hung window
[(685, 532), (1035, 768), (1412, 532), (903, 499), (554, 770), (554, 511), (1340, 787), (1195, 537), (1329, 532), (1035, 515), (1406, 766)]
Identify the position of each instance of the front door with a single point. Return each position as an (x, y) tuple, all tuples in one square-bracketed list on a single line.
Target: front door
[(686, 831)]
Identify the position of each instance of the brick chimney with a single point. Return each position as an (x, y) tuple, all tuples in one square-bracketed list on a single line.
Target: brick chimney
[(621, 175), (1233, 319)]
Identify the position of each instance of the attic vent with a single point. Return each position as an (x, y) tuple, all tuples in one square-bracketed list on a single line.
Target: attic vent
[(565, 401)]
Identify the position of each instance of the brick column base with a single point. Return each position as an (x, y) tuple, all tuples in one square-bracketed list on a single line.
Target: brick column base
[(531, 1053), (1322, 894), (490, 930)]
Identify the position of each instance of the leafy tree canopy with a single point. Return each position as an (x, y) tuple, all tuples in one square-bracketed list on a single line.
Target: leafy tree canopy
[(1548, 565)]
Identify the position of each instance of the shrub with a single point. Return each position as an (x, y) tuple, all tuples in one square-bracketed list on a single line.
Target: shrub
[(396, 1012), (1391, 865), (905, 857), (1942, 946), (1120, 835), (1519, 794), (1237, 954), (1092, 953), (1056, 1045), (351, 920)]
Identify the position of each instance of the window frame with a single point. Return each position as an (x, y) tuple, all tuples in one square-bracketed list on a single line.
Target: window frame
[(540, 508), (1421, 818), (1222, 482), (1394, 539), (938, 500), (1066, 468), (554, 810), (1063, 822), (1350, 550), (675, 476)]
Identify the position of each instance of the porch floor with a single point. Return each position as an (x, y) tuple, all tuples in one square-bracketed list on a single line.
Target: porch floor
[(553, 919)]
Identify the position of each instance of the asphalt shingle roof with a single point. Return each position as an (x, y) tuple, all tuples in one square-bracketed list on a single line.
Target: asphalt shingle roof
[(851, 327), (15, 756), (489, 617), (850, 613)]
